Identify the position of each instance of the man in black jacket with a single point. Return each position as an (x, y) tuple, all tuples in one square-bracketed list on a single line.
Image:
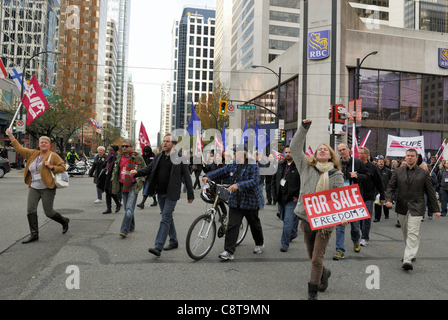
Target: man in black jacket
[(374, 183), (287, 184), (165, 178), (386, 174), (357, 176)]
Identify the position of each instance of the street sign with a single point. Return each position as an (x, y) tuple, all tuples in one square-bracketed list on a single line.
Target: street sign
[(246, 107), (230, 110), (21, 125)]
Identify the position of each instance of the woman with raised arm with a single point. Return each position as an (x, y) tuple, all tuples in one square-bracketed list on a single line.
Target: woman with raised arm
[(40, 181), (317, 173)]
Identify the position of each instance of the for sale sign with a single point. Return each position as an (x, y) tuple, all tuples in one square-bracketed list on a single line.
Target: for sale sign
[(328, 208)]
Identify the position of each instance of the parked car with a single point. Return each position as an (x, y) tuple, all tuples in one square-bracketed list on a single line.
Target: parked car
[(5, 167)]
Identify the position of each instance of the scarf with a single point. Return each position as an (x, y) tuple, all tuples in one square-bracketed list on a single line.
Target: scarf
[(324, 184), (130, 165)]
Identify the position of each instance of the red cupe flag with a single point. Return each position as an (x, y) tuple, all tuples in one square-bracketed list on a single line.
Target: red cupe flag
[(34, 101), (143, 137)]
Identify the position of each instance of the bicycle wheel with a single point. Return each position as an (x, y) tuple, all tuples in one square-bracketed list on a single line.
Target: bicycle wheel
[(242, 231), (201, 237)]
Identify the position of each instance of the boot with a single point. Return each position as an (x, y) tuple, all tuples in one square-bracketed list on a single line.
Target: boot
[(312, 291), (34, 229), (64, 221), (326, 273), (155, 202), (141, 205)]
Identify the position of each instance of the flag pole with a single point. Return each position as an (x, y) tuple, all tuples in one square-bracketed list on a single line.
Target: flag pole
[(437, 162), (15, 116)]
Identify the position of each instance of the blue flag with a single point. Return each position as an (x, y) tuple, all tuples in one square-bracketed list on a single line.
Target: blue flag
[(195, 123), (224, 140), (261, 139), (245, 134)]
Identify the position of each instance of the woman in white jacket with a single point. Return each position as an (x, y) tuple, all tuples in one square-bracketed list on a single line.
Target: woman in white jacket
[(317, 173)]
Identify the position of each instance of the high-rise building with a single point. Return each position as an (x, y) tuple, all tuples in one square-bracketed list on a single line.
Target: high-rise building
[(223, 36), (429, 15), (110, 78), (130, 109), (120, 12), (27, 28), (82, 44), (165, 108), (193, 57), (262, 30)]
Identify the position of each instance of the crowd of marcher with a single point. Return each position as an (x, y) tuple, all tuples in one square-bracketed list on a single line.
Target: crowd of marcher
[(122, 173)]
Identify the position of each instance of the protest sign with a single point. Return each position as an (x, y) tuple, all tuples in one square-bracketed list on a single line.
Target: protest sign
[(328, 208)]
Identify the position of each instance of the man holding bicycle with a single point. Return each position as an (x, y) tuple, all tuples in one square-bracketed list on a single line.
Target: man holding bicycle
[(243, 200)]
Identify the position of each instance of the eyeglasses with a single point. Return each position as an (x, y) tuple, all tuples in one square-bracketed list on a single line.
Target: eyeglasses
[(125, 146)]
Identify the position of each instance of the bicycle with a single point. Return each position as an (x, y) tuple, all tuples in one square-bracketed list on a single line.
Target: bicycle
[(202, 232)]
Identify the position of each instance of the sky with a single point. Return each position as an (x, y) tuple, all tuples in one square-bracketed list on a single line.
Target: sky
[(150, 55)]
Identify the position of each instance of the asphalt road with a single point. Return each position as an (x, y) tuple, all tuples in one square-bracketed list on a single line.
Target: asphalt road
[(110, 267)]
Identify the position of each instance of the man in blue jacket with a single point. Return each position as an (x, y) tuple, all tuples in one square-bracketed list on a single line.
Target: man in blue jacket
[(243, 200)]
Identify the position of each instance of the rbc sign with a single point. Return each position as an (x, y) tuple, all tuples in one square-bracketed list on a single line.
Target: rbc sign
[(443, 58), (319, 45)]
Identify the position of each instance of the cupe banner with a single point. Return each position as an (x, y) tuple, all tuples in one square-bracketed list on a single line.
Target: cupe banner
[(328, 208)]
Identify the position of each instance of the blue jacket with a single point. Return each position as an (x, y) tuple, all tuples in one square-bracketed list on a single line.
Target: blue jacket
[(247, 195)]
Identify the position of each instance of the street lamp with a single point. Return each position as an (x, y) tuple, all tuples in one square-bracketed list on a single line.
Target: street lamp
[(357, 77), (279, 76), (23, 79)]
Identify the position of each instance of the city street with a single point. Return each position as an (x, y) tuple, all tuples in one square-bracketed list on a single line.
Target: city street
[(111, 267)]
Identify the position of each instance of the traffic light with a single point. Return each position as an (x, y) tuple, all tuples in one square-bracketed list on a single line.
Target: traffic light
[(282, 135), (223, 107), (14, 126), (349, 139)]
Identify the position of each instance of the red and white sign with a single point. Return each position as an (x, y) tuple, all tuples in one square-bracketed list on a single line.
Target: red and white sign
[(328, 208), (34, 101), (397, 146)]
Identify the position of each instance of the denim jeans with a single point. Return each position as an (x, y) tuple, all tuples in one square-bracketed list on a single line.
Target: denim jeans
[(99, 194), (166, 227), (340, 235), (290, 222), (366, 223), (129, 201)]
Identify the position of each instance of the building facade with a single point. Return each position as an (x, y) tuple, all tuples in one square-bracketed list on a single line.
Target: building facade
[(193, 61), (404, 87), (110, 78), (165, 110), (120, 12), (262, 30), (81, 69), (130, 109)]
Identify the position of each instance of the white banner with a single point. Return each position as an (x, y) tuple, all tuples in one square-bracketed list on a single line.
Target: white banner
[(397, 146)]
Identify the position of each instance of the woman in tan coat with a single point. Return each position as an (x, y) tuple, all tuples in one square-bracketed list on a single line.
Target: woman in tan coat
[(40, 181)]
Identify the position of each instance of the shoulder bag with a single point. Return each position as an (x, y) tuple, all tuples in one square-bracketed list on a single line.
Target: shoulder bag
[(60, 179)]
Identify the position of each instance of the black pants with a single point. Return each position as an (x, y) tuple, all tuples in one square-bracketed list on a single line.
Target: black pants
[(235, 218), (196, 182), (378, 211)]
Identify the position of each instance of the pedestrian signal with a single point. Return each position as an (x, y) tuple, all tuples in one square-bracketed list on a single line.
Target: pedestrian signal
[(223, 107)]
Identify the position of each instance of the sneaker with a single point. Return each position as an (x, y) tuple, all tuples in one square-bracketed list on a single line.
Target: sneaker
[(98, 201), (338, 256), (258, 249), (226, 256), (364, 243), (357, 247)]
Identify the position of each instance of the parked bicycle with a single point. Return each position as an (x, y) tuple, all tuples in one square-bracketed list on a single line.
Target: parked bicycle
[(202, 233)]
